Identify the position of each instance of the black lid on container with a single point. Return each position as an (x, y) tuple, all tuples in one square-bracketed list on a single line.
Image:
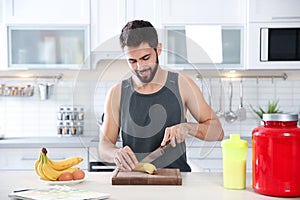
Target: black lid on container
[(280, 117)]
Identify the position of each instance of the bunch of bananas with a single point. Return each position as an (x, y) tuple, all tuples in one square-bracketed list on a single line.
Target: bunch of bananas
[(49, 169)]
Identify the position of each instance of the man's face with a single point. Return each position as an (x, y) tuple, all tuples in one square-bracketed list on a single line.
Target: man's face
[(143, 61)]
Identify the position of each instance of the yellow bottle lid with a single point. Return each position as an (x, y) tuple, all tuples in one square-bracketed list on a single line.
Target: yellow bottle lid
[(234, 141)]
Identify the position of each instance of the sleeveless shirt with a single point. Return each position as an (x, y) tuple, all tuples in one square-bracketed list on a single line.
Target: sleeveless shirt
[(144, 118)]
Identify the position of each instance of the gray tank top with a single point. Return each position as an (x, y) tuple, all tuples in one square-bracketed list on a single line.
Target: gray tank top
[(144, 118)]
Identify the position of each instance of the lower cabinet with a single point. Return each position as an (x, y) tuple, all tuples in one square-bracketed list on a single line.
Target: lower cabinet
[(209, 159), (24, 158), (96, 164)]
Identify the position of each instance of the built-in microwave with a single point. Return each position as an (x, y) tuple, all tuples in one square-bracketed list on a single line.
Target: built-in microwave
[(274, 46)]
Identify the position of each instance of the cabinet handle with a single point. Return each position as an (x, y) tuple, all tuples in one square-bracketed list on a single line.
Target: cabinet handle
[(29, 158), (288, 17), (34, 158), (196, 158), (58, 158)]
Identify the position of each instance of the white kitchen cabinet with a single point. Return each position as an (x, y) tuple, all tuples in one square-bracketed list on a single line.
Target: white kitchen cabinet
[(232, 48), (107, 20), (274, 10), (204, 12), (209, 158), (149, 10), (3, 50), (93, 154), (48, 47), (47, 11), (1, 11), (205, 159), (24, 158)]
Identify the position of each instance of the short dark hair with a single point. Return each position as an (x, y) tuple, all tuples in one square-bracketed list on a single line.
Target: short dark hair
[(138, 31)]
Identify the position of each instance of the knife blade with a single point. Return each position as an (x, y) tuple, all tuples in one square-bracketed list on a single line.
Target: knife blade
[(155, 154)]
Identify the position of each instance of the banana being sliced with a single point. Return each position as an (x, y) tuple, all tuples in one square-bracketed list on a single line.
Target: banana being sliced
[(145, 167)]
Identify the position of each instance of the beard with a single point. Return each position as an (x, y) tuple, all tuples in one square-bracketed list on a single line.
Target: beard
[(149, 78)]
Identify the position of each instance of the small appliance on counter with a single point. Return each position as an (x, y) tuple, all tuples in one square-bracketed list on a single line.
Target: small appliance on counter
[(70, 120)]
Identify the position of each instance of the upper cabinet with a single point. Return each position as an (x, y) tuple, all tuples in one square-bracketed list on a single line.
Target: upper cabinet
[(204, 12), (54, 47), (204, 47), (274, 10), (1, 11), (107, 20), (47, 11), (48, 34), (273, 34), (149, 10)]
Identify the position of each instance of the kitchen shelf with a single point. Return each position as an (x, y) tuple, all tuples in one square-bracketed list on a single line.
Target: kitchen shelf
[(284, 76), (56, 77)]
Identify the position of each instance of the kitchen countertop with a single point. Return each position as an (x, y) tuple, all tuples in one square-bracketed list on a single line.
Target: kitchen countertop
[(84, 141), (33, 142), (195, 186)]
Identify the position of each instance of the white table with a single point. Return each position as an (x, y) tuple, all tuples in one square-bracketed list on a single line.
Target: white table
[(195, 186)]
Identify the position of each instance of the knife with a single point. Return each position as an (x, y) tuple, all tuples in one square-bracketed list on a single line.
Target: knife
[(156, 153)]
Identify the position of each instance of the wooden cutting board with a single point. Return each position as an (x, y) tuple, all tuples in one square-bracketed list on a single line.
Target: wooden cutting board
[(164, 176)]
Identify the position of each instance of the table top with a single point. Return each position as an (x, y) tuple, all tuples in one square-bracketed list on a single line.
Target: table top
[(195, 185)]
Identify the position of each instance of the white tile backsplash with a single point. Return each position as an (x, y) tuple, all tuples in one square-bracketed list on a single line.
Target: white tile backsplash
[(30, 116)]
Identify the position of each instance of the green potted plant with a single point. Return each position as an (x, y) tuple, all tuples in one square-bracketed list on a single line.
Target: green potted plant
[(272, 108)]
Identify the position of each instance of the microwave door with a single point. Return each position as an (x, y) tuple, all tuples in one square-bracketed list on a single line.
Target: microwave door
[(264, 44)]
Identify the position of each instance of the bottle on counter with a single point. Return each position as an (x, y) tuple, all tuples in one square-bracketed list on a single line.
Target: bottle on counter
[(234, 151), (276, 156)]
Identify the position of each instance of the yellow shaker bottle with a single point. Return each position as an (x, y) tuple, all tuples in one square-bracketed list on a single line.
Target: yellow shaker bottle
[(234, 152)]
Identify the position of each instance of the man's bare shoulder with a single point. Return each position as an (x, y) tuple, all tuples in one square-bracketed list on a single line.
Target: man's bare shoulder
[(185, 80), (114, 91)]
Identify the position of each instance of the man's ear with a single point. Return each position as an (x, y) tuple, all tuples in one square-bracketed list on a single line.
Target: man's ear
[(159, 48)]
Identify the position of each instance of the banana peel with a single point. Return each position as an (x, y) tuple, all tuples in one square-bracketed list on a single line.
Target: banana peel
[(145, 167)]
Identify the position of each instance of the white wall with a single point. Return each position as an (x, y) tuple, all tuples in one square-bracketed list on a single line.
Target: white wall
[(30, 116)]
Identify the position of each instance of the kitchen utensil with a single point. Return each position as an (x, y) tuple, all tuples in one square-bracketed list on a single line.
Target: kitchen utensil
[(209, 93), (234, 151), (156, 153), (230, 116), (45, 90), (276, 154), (241, 111), (220, 112), (165, 176)]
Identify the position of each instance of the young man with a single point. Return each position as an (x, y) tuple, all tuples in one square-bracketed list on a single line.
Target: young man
[(149, 108)]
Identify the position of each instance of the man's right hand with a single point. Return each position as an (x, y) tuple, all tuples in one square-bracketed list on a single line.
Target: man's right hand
[(125, 159)]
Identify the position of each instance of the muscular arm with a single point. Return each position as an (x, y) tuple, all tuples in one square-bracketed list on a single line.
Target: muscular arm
[(124, 157), (110, 127), (207, 127)]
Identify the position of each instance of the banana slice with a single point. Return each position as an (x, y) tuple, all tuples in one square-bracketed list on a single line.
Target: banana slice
[(145, 167)]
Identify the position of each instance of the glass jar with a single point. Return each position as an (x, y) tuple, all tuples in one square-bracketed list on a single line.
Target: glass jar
[(60, 127), (81, 114), (79, 128), (276, 156), (2, 89)]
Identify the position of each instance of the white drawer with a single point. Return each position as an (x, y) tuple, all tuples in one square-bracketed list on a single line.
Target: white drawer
[(93, 154), (204, 153), (24, 159), (205, 165), (210, 159)]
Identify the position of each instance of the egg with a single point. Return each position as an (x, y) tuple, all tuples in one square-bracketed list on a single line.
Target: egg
[(78, 174), (65, 176)]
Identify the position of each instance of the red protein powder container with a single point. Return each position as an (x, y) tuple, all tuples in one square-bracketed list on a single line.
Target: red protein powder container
[(276, 156)]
